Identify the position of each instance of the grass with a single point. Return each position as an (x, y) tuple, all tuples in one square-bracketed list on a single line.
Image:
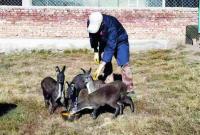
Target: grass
[(167, 94)]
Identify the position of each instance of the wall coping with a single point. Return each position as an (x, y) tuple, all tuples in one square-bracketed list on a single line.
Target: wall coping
[(102, 8)]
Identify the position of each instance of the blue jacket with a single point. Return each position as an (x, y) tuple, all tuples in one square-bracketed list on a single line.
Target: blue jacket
[(109, 37)]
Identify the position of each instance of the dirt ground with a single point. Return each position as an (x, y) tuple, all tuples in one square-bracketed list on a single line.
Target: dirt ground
[(167, 99)]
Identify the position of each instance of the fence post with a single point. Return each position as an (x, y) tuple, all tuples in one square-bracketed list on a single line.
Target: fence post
[(26, 3), (163, 3), (98, 3), (118, 3), (199, 18), (137, 3)]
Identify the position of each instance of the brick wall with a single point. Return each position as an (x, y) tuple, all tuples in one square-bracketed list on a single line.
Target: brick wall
[(34, 22)]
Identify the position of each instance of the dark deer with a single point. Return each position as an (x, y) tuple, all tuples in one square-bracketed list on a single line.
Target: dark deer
[(113, 94), (76, 85), (53, 90)]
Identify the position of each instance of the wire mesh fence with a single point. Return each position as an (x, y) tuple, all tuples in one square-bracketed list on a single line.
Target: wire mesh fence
[(11, 2), (106, 3), (118, 3)]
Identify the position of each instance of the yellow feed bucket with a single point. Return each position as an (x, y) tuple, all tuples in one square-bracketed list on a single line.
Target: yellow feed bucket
[(68, 116)]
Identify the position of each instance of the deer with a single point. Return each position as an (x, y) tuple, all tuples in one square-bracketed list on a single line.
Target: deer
[(76, 85), (113, 94), (53, 90)]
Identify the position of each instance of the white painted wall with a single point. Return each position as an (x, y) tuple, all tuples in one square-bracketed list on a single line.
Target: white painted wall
[(15, 44)]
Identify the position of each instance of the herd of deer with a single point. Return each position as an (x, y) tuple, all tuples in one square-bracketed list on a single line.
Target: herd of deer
[(84, 92)]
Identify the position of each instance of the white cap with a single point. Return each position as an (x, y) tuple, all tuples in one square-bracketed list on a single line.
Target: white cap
[(95, 20)]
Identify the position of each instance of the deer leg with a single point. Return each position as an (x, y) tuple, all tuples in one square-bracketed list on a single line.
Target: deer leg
[(69, 104), (117, 109), (66, 102), (54, 106), (94, 113), (50, 107), (46, 101), (129, 101), (121, 106)]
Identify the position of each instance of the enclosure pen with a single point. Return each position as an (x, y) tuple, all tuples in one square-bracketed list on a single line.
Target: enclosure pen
[(199, 18), (38, 36)]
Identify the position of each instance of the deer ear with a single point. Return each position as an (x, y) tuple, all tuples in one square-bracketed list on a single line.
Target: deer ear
[(83, 70), (57, 69), (63, 70), (89, 72), (67, 83)]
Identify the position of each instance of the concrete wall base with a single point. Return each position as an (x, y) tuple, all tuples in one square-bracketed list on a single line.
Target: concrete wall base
[(15, 44)]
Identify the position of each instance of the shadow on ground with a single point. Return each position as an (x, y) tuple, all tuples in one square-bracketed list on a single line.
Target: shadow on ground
[(6, 107)]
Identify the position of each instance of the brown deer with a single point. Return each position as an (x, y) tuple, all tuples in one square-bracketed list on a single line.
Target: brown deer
[(53, 90), (113, 94)]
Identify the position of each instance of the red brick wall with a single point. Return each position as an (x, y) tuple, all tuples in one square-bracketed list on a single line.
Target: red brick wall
[(71, 22)]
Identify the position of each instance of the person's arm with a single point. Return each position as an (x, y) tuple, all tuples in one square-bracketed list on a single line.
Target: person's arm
[(99, 70), (108, 51), (94, 42), (110, 45)]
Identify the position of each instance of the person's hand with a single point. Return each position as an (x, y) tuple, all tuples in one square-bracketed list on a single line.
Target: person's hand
[(99, 70), (96, 58)]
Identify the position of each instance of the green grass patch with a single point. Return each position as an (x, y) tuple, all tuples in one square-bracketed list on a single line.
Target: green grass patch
[(197, 53), (13, 121), (166, 102)]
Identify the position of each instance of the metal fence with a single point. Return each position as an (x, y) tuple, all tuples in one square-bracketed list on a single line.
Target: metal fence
[(107, 3), (11, 2), (118, 3)]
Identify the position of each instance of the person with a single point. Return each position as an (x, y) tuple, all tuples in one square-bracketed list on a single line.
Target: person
[(108, 38)]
